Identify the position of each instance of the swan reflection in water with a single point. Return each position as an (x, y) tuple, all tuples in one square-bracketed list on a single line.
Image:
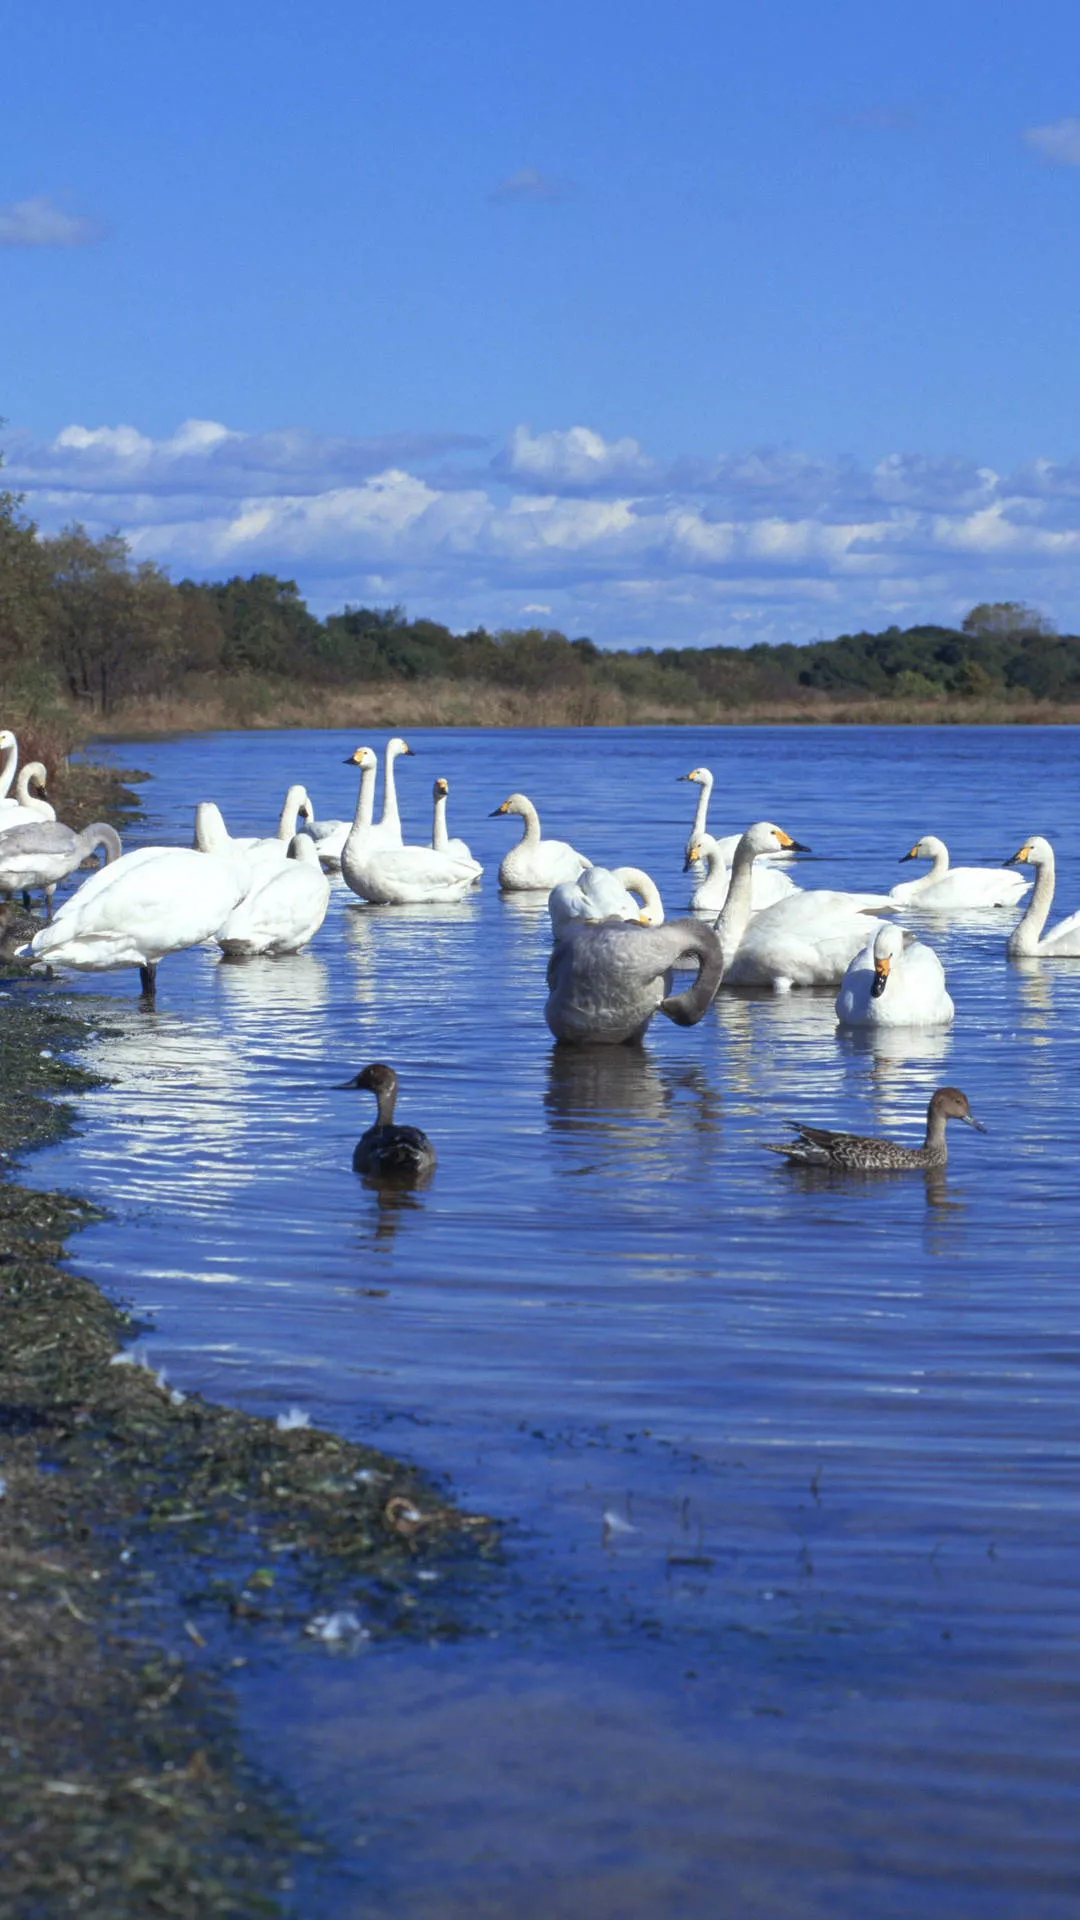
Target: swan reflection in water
[(290, 983), (607, 1092), (383, 942)]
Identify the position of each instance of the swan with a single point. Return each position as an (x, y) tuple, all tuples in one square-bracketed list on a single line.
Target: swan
[(139, 908), (44, 853), (703, 780), (635, 881), (9, 747), (597, 894), (948, 889), (284, 910), (440, 839), (26, 808), (396, 876), (535, 865), (705, 855), (401, 1155), (607, 979), (1027, 937), (386, 831), (217, 838), (328, 836), (806, 940), (894, 982), (854, 1152)]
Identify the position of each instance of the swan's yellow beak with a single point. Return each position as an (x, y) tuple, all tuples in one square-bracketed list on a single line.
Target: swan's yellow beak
[(785, 839), (644, 919), (441, 784), (1024, 854), (881, 975)]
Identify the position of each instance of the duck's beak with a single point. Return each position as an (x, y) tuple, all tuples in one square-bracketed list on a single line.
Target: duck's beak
[(344, 1086), (969, 1119)]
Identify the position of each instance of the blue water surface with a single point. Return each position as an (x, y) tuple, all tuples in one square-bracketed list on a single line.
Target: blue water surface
[(787, 1624)]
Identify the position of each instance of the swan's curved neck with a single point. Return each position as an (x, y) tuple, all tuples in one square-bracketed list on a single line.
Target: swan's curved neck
[(294, 800), (939, 867), (531, 833), (735, 917), (211, 833), (1028, 931), (704, 788), (693, 941), (100, 834), (32, 771), (440, 839), (7, 770), (365, 799), (390, 814), (635, 881)]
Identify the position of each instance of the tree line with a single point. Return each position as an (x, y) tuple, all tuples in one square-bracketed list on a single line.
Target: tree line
[(86, 626)]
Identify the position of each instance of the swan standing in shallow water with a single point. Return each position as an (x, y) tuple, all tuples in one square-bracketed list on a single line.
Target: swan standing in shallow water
[(1027, 937), (894, 982), (705, 855), (854, 1152), (948, 889), (535, 865), (133, 912), (284, 910), (43, 854), (441, 841), (607, 978), (401, 1156)]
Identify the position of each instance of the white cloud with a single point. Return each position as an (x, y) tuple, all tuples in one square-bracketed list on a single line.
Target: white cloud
[(589, 533), (1058, 143), (40, 222)]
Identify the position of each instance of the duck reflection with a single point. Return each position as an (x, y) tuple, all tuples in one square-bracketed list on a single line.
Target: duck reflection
[(386, 1216)]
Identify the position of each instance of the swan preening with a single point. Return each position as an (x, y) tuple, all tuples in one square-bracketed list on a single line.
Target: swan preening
[(853, 1152), (607, 978), (895, 981), (948, 889), (535, 865), (1027, 937), (396, 1155), (605, 893)]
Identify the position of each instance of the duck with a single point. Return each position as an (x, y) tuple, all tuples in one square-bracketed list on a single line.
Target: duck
[(441, 841), (386, 1152), (284, 910), (806, 940), (535, 865), (853, 1152), (131, 913), (895, 981), (45, 852), (706, 855), (27, 807), (948, 889), (1027, 937), (607, 979)]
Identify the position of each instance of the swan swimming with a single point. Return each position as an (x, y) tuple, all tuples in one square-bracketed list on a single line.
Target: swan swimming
[(396, 876), (1027, 937), (806, 940), (284, 910), (44, 853), (535, 865), (386, 1152), (440, 839), (948, 889), (606, 979), (703, 780), (860, 1153), (386, 831), (141, 907), (767, 884), (895, 981)]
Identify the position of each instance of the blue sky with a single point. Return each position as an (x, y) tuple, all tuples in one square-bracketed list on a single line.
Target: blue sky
[(711, 322)]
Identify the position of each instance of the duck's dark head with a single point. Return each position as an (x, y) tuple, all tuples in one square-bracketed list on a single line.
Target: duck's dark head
[(375, 1079)]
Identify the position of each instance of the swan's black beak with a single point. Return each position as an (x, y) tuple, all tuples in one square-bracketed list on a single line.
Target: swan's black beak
[(690, 861), (903, 857), (796, 846), (495, 812)]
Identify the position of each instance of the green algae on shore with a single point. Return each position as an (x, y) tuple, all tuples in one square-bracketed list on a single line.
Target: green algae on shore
[(148, 1543)]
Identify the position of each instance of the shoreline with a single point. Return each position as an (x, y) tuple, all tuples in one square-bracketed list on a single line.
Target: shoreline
[(263, 705), (152, 1543)]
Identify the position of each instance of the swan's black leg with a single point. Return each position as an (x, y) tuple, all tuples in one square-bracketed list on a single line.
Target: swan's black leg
[(148, 977), (26, 900)]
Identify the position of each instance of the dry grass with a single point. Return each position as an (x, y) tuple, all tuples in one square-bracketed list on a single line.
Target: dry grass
[(247, 703)]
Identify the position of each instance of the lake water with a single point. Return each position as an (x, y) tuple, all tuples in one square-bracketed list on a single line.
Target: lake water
[(788, 1618)]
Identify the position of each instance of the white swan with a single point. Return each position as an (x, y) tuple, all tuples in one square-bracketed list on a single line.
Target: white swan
[(597, 894), (806, 940), (948, 889), (44, 853), (9, 747), (767, 884), (155, 901), (1027, 937), (535, 865), (894, 982), (284, 910), (703, 780), (328, 837), (386, 831), (396, 876), (606, 979), (26, 808), (440, 839), (639, 882)]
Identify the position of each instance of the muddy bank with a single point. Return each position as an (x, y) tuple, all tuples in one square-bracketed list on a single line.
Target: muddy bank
[(149, 1545)]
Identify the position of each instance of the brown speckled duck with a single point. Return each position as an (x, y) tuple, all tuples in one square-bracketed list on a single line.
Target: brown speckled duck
[(856, 1153)]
